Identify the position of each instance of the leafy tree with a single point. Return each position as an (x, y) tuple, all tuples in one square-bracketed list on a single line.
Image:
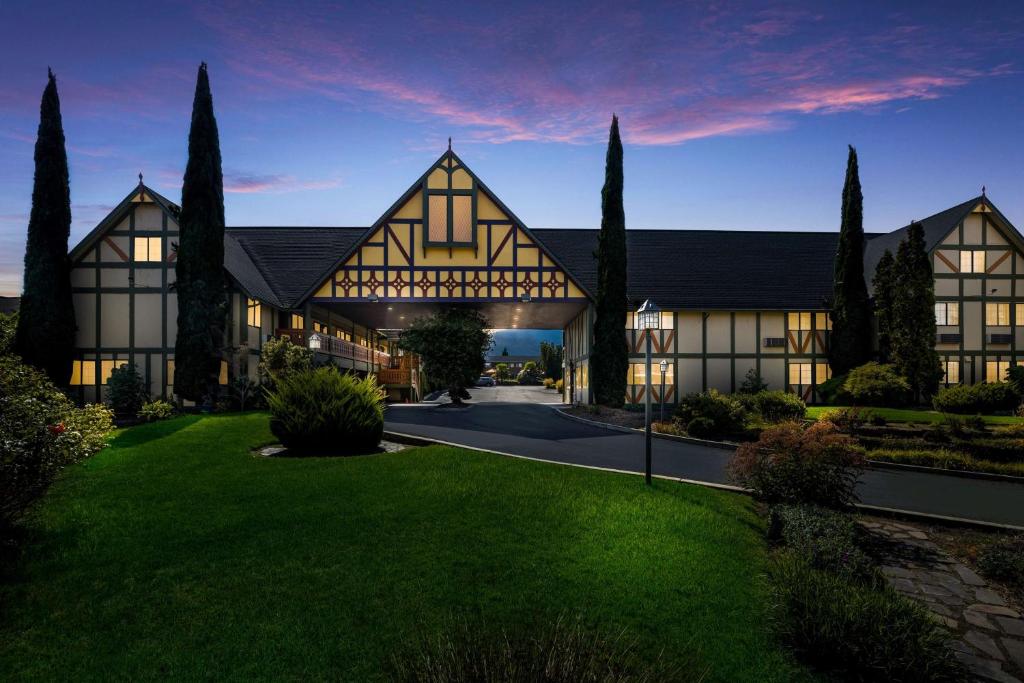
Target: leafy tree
[(45, 335), (279, 358), (609, 360), (884, 286), (501, 372), (530, 375), (850, 341), (551, 360), (451, 344), (202, 302), (913, 333)]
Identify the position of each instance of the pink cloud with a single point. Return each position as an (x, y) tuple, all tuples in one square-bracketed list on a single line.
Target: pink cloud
[(241, 183)]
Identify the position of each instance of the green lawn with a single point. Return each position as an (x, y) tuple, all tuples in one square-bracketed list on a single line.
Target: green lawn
[(909, 415), (176, 553)]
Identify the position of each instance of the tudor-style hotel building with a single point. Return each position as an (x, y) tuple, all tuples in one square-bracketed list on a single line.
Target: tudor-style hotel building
[(732, 300)]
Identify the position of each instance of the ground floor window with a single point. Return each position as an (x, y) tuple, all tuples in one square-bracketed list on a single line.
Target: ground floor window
[(297, 322), (222, 378), (637, 374), (1020, 314), (807, 373), (83, 373), (107, 367), (995, 370), (950, 372)]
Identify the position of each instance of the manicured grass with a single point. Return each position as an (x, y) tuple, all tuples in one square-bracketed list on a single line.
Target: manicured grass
[(176, 553), (908, 415)]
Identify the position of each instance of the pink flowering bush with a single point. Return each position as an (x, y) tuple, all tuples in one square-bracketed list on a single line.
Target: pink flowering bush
[(793, 464)]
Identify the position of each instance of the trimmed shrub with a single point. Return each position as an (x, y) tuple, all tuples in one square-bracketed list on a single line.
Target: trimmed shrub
[(858, 632), (753, 383), (944, 459), (549, 383), (280, 358), (846, 419), (41, 431), (874, 384), (826, 539), (560, 386), (791, 464), (721, 414), (126, 391), (530, 375), (1004, 561), (702, 428), (778, 406), (564, 652), (977, 399), (156, 410), (325, 412)]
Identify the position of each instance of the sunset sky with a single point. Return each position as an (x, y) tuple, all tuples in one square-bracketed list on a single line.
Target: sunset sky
[(734, 116)]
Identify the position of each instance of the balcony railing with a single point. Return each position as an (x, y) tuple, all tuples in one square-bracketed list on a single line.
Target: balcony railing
[(323, 343)]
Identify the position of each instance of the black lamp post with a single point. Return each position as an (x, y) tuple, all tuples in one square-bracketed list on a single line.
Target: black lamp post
[(648, 319), (664, 367)]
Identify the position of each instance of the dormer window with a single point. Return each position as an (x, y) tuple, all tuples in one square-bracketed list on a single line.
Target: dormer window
[(449, 206)]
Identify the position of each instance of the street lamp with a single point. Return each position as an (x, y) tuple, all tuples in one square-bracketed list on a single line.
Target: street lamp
[(664, 368), (648, 318)]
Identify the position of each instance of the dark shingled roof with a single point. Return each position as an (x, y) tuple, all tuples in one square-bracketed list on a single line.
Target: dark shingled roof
[(291, 260), (936, 227), (711, 269)]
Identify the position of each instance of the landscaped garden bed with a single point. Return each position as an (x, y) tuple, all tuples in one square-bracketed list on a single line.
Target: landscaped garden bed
[(176, 553)]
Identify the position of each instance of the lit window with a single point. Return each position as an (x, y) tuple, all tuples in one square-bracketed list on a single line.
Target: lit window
[(254, 312), (997, 314), (947, 313), (638, 373), (809, 373), (148, 249), (170, 372), (799, 322), (448, 207), (1020, 314), (83, 373), (223, 378), (972, 261), (995, 370), (319, 327), (297, 322), (950, 372), (107, 367)]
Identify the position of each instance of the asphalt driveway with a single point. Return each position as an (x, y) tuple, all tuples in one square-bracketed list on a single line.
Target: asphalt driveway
[(535, 431)]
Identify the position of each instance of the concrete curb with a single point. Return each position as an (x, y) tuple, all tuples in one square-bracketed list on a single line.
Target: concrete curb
[(414, 440), (872, 464)]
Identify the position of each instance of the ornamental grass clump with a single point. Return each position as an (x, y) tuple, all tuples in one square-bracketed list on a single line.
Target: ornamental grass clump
[(326, 412), (791, 464)]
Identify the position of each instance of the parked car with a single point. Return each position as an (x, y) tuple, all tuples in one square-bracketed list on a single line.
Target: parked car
[(485, 381)]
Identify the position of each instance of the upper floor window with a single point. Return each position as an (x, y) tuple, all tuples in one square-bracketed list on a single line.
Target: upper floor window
[(1020, 315), (148, 249), (947, 313), (297, 322), (972, 261), (799, 322), (253, 312), (997, 314), (449, 206)]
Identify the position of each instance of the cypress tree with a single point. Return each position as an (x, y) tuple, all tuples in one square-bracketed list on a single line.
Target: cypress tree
[(913, 331), (202, 304), (609, 359), (850, 342), (45, 336), (884, 286)]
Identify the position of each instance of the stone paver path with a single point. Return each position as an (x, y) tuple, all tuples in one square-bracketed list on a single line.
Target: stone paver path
[(988, 634)]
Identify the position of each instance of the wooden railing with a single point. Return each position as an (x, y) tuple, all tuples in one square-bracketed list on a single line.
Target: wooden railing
[(323, 343), (394, 377)]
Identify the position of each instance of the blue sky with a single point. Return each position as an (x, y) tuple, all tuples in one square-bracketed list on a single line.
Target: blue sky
[(735, 115)]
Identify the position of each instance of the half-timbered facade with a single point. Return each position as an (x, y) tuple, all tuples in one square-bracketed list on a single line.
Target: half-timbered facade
[(733, 301)]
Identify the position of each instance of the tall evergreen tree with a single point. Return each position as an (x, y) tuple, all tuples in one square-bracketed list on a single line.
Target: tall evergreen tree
[(202, 304), (45, 336), (850, 341), (913, 331), (884, 286), (609, 359)]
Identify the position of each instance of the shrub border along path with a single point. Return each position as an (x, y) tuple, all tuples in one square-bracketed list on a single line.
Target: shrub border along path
[(988, 634)]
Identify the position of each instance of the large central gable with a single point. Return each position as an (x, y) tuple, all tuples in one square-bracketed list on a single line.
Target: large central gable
[(448, 238)]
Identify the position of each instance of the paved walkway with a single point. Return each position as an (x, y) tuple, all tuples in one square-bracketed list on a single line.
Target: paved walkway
[(988, 635), (535, 431)]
